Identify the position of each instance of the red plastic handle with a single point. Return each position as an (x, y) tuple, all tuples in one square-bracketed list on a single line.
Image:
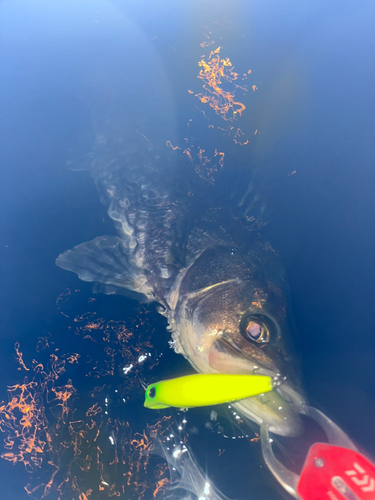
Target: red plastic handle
[(335, 473)]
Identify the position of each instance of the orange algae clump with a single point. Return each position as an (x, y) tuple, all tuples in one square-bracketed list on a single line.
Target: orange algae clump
[(24, 422), (61, 432), (238, 138), (215, 72), (20, 357), (221, 160), (169, 145)]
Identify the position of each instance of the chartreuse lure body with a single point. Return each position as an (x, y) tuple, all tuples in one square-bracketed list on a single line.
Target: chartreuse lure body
[(205, 390)]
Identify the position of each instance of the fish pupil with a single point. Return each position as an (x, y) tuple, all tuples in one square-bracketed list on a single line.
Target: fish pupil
[(254, 330), (152, 392)]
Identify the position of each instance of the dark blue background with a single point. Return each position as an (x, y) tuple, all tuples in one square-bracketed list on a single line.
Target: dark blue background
[(66, 65)]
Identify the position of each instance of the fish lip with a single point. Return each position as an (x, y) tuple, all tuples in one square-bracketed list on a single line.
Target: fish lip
[(283, 385)]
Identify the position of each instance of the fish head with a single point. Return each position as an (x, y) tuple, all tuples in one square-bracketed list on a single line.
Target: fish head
[(231, 317)]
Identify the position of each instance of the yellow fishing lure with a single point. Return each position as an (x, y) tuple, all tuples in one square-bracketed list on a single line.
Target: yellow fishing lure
[(205, 390)]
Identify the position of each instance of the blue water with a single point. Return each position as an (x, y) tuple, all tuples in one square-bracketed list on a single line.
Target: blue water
[(69, 67)]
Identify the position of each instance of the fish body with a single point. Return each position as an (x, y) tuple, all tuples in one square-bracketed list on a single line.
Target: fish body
[(220, 286)]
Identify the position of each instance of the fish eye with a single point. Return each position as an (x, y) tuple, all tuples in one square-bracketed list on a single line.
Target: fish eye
[(152, 392), (257, 332), (256, 328)]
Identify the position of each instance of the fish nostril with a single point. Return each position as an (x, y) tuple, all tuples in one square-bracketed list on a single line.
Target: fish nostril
[(152, 392)]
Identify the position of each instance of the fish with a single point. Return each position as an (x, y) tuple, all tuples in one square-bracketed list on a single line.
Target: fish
[(220, 285)]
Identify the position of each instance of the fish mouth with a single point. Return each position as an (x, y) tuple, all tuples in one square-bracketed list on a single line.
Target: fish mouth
[(276, 408)]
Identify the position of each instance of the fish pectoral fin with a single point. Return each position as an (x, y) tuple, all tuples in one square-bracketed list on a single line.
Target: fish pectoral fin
[(105, 260)]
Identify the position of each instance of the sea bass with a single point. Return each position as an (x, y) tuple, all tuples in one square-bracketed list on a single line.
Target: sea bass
[(221, 286)]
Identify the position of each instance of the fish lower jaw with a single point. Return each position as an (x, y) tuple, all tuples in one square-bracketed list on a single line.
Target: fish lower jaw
[(272, 409), (288, 428)]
